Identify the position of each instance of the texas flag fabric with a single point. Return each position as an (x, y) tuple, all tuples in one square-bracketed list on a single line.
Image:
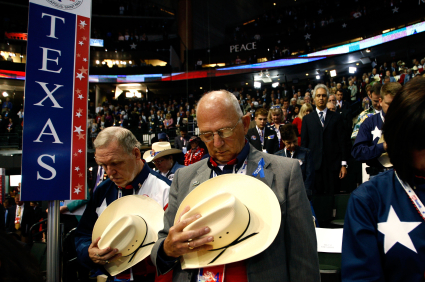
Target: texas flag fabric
[(56, 90)]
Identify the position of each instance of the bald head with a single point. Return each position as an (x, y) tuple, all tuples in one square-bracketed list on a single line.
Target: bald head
[(219, 111)]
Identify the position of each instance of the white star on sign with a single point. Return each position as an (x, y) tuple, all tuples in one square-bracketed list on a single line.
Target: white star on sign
[(80, 97), (78, 129), (133, 46), (307, 36), (80, 76), (85, 59), (81, 43), (344, 25), (397, 231), (320, 11), (376, 133), (80, 151), (77, 190), (77, 168), (395, 10), (78, 114), (83, 23)]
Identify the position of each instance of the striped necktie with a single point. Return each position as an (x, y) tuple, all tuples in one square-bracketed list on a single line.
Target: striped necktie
[(322, 119)]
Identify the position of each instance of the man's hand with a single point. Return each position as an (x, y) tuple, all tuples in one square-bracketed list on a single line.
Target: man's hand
[(385, 146), (342, 172), (63, 209), (104, 256), (179, 242)]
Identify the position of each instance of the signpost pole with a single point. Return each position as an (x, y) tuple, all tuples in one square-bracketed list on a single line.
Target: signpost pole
[(53, 243)]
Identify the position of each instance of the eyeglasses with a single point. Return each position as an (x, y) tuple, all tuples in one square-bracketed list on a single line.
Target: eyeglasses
[(223, 133), (158, 161), (274, 107)]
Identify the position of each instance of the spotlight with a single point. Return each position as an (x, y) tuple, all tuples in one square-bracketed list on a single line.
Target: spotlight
[(5, 94), (352, 69), (306, 74), (317, 77), (275, 84), (333, 73), (257, 85), (367, 50)]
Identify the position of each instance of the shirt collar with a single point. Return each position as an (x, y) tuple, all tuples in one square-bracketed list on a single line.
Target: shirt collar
[(324, 111), (238, 161)]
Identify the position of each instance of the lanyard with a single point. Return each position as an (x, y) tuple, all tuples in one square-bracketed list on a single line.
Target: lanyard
[(242, 170), (412, 195)]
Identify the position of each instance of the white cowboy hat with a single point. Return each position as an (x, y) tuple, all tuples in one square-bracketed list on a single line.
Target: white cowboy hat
[(131, 225), (243, 214), (160, 149)]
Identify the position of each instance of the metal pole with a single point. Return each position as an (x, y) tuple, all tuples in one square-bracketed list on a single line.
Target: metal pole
[(53, 258)]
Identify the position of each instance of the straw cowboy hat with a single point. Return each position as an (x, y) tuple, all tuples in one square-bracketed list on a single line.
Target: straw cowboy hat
[(131, 225), (160, 149), (243, 214)]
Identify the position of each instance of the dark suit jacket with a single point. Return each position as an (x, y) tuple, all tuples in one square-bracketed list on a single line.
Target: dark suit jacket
[(307, 166), (271, 142), (179, 142), (326, 143), (345, 106), (27, 218)]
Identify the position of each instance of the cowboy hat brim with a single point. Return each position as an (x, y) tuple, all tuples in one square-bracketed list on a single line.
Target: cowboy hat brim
[(164, 153), (265, 220), (142, 206)]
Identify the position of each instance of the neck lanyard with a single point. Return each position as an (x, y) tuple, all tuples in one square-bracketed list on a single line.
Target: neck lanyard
[(413, 198), (242, 170)]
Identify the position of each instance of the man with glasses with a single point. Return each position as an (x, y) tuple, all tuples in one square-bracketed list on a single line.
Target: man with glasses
[(293, 254)]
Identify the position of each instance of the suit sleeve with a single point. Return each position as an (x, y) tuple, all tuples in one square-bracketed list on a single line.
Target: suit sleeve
[(364, 149), (163, 263), (309, 172), (303, 263), (304, 134), (361, 259)]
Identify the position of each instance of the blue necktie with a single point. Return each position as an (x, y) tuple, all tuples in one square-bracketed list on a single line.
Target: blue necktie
[(322, 119)]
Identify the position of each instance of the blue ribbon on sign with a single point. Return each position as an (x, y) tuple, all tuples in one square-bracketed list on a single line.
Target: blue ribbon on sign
[(259, 169)]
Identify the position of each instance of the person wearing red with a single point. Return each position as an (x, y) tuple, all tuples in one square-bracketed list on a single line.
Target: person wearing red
[(298, 121), (195, 153)]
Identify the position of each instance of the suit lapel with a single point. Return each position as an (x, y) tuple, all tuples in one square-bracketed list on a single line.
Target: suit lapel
[(317, 119), (204, 173), (253, 160), (329, 116)]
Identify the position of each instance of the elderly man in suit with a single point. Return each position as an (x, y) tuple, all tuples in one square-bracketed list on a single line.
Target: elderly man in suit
[(322, 132), (293, 254), (262, 137)]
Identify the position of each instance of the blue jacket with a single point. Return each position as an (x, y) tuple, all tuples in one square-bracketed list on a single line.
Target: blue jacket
[(366, 148), (307, 166), (147, 182), (383, 233)]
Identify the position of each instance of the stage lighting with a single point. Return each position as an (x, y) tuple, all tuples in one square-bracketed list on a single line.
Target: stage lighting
[(332, 73), (352, 69), (257, 85), (275, 84), (317, 77)]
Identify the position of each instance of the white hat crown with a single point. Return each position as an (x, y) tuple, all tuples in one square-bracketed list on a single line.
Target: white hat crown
[(224, 214), (126, 234)]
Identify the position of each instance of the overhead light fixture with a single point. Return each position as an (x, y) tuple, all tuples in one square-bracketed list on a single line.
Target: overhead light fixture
[(246, 83), (5, 94), (97, 62), (367, 50), (275, 84), (332, 73), (317, 77), (257, 85), (306, 74), (352, 69), (200, 87), (274, 4), (357, 64)]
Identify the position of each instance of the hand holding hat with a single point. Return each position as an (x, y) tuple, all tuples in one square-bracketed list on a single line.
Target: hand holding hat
[(180, 242), (102, 256)]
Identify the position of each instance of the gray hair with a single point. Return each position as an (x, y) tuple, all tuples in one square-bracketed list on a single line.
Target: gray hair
[(293, 99), (123, 136), (320, 86), (229, 99)]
